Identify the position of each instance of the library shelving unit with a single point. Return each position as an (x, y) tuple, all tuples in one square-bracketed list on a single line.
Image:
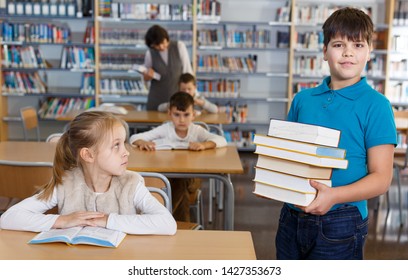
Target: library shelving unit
[(122, 45), (253, 79), (242, 63), (308, 65), (48, 60)]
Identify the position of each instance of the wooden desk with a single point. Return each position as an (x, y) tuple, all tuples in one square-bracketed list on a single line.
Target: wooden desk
[(215, 164), (155, 117), (186, 244)]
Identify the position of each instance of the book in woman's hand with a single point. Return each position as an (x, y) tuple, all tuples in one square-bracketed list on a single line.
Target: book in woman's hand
[(81, 235)]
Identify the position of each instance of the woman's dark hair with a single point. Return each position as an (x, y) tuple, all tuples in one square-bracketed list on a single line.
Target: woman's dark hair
[(155, 35)]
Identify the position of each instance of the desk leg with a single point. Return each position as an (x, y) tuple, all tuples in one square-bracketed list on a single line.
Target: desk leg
[(228, 193)]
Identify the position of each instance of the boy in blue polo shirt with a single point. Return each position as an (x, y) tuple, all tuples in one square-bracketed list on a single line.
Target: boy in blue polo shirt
[(334, 225)]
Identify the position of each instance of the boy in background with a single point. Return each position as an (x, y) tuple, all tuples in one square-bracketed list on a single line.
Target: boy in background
[(188, 83), (180, 129), (334, 225)]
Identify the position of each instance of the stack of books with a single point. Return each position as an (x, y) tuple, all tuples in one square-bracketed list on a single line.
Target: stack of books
[(290, 155)]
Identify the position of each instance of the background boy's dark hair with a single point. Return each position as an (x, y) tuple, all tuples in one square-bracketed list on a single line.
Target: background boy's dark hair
[(187, 78), (350, 23), (155, 35), (181, 100)]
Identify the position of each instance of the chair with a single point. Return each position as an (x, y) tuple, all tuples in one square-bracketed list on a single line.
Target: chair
[(29, 118), (400, 156), (159, 186), (19, 180), (54, 137)]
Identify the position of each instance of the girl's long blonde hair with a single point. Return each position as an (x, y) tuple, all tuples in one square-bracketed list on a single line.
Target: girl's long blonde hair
[(87, 130)]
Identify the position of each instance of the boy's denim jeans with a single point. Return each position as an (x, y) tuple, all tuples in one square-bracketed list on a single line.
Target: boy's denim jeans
[(338, 235)]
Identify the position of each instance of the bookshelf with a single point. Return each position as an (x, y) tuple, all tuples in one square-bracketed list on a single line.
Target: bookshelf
[(252, 80)]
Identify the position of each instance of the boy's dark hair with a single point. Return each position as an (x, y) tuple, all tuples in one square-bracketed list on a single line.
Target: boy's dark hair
[(350, 23), (181, 100), (155, 35), (187, 78)]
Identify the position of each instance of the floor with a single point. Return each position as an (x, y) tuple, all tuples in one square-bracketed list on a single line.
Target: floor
[(386, 239)]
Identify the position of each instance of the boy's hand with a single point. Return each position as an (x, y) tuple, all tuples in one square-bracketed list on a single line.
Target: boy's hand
[(198, 102), (196, 146), (323, 202), (145, 145), (80, 218)]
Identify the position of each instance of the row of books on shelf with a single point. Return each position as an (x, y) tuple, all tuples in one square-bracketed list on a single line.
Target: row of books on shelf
[(375, 66), (399, 68), (310, 65), (317, 14), (397, 92), (135, 36), (77, 58), (146, 11), (292, 154), (299, 86), (62, 8), (17, 32), (400, 13), (219, 87), (23, 83), (208, 10), (309, 40), (236, 113), (22, 57), (260, 38), (55, 107), (120, 61), (227, 64), (240, 138), (123, 86)]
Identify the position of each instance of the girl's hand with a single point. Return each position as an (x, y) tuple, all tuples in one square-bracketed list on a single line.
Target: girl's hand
[(196, 146), (81, 218), (323, 202), (102, 221)]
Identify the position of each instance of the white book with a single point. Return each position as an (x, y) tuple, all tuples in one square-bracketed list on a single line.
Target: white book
[(142, 69), (165, 145), (297, 146), (81, 235), (294, 168), (301, 157), (284, 187), (284, 195), (304, 132)]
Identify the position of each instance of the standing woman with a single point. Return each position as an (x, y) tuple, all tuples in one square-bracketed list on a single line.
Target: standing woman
[(167, 58)]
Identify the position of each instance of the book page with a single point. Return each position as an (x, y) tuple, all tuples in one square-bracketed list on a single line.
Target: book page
[(99, 236), (54, 235)]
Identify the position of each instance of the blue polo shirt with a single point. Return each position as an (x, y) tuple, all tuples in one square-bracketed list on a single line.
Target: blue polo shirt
[(364, 117)]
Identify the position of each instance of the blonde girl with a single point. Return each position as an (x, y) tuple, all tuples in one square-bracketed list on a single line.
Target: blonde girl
[(91, 186)]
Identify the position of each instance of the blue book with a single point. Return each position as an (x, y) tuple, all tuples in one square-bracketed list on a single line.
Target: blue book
[(81, 235)]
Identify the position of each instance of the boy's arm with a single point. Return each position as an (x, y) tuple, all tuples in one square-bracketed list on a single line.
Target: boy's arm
[(200, 146), (153, 134), (163, 107), (380, 170), (206, 105), (144, 145)]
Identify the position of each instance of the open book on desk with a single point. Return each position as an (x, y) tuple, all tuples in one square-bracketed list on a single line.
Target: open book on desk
[(81, 235), (166, 145)]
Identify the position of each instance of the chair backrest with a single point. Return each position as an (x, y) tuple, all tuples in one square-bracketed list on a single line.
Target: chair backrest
[(21, 179), (161, 196), (29, 118), (158, 181), (53, 137)]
